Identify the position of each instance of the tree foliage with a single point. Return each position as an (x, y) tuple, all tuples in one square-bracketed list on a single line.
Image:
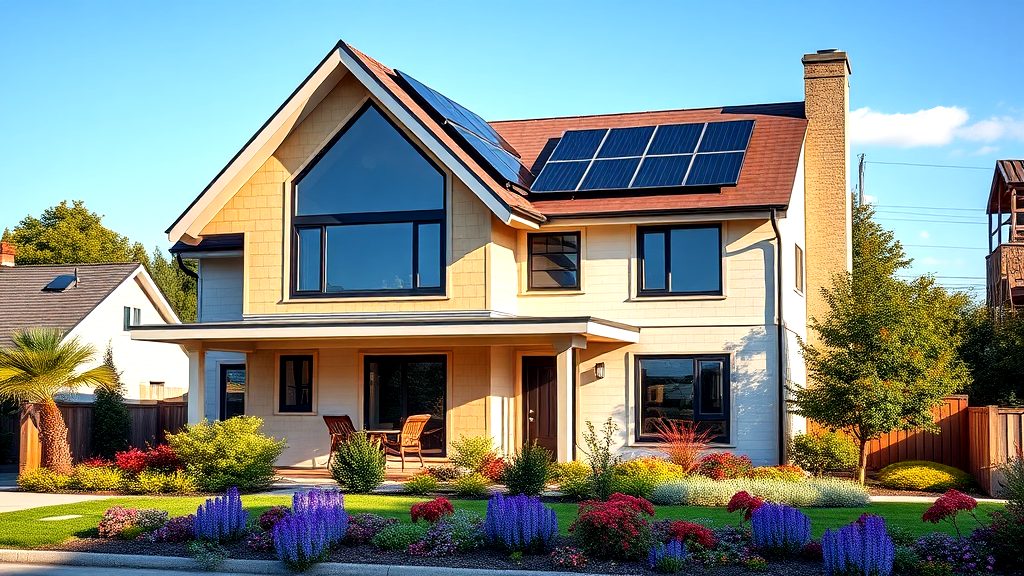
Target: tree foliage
[(992, 351), (886, 352), (111, 422), (73, 234)]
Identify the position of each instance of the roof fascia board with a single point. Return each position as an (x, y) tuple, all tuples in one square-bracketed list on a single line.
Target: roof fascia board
[(309, 94), (155, 295), (425, 136), (667, 217)]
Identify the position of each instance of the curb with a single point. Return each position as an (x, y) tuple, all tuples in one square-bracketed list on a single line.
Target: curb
[(256, 567)]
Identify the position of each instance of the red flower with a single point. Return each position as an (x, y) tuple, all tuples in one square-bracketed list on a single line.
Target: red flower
[(493, 469), (691, 532), (742, 500), (431, 511), (723, 466), (95, 462), (613, 528), (948, 505), (132, 460), (162, 457)]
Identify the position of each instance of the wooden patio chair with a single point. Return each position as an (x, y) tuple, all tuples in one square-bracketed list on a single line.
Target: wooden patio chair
[(340, 429), (408, 439)]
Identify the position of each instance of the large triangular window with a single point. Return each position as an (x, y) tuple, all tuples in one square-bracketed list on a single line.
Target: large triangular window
[(369, 215)]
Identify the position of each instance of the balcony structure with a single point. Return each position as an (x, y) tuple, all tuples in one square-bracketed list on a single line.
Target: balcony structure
[(1005, 262)]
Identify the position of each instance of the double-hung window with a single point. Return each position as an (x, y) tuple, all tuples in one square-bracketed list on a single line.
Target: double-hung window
[(369, 216), (683, 260), (682, 389)]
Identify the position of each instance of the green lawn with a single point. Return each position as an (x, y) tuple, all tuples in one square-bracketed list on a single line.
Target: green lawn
[(24, 529)]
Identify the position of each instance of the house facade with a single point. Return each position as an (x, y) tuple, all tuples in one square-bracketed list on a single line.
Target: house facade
[(378, 250)]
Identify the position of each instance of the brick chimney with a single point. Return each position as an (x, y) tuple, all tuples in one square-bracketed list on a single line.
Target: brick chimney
[(826, 174), (6, 254)]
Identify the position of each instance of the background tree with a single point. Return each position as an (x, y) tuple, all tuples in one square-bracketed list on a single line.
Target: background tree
[(40, 365), (111, 421), (887, 348), (73, 234), (992, 351)]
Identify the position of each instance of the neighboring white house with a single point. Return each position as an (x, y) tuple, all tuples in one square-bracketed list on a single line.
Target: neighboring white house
[(97, 303)]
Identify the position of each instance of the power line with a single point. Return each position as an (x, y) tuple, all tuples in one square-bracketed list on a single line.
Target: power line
[(929, 207), (945, 247), (954, 166), (929, 221), (944, 277)]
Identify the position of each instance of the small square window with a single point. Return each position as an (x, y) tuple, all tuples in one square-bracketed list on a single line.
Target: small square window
[(296, 383), (554, 261)]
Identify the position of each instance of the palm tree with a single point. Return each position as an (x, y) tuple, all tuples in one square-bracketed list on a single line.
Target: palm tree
[(40, 365)]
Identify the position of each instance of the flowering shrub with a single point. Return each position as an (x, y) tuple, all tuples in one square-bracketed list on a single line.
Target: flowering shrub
[(493, 469), (959, 555), (731, 548), (317, 522), (436, 542), (778, 529), (178, 529), (724, 466), (399, 536), (443, 473), (116, 521), (431, 511), (948, 506), (784, 472), (684, 442), (923, 475), (574, 479), (150, 519), (667, 558), (820, 492), (520, 523), (458, 532), (742, 500), (861, 548), (221, 519), (272, 516), (689, 533), (616, 528), (96, 478), (569, 557), (260, 541), (363, 527), (161, 458), (96, 462), (132, 460)]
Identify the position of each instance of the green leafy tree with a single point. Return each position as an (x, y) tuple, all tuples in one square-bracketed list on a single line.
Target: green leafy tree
[(73, 234), (887, 348), (40, 365), (111, 421), (992, 352)]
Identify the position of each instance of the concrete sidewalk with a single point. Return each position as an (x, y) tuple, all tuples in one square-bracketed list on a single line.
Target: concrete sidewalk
[(14, 501)]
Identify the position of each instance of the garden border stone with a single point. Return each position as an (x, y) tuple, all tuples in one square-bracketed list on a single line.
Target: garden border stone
[(260, 567)]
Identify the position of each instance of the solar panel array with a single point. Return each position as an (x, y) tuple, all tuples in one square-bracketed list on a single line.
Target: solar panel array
[(669, 155), (491, 148)]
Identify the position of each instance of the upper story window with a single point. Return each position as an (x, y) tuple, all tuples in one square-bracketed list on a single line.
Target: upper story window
[(680, 260), (132, 317), (798, 269), (554, 261), (369, 216)]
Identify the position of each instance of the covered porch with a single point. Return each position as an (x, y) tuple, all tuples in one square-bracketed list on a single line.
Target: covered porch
[(514, 379)]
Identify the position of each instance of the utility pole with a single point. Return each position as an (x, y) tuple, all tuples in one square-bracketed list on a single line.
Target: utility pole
[(860, 180)]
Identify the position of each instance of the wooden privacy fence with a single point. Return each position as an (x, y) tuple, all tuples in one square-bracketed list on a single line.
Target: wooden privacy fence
[(150, 425), (996, 434)]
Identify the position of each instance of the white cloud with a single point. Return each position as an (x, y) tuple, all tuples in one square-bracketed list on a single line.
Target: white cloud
[(994, 128), (985, 150), (932, 127), (924, 234)]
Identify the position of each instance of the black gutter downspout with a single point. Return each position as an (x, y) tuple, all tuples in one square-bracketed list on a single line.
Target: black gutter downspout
[(188, 271), (781, 335)]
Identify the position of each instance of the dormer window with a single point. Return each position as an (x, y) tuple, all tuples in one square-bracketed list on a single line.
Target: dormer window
[(369, 216)]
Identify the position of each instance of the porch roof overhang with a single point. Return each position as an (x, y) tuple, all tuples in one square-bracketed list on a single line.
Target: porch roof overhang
[(478, 329)]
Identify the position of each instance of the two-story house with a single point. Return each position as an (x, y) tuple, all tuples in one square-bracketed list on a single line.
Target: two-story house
[(378, 250)]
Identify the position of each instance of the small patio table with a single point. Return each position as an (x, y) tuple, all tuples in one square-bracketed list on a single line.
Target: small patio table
[(380, 434)]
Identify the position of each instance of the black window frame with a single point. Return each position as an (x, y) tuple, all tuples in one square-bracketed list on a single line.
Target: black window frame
[(296, 408), (667, 232), (224, 368), (325, 221), (127, 318), (407, 359), (698, 415), (529, 261)]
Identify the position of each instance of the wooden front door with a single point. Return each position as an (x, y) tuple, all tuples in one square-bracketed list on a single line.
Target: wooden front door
[(540, 401)]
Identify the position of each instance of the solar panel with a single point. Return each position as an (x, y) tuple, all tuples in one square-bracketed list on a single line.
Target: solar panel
[(670, 155), (487, 144), (61, 282)]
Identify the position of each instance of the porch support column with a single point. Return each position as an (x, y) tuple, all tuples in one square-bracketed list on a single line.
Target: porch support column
[(196, 384), (565, 364)]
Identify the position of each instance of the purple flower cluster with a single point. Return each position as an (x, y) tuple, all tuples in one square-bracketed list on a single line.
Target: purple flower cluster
[(861, 548), (363, 527), (177, 529), (964, 556), (117, 520), (221, 519), (438, 542), (779, 529), (667, 557), (520, 523), (317, 522)]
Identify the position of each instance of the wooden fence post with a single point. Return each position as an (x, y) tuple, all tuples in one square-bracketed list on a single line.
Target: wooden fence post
[(30, 452)]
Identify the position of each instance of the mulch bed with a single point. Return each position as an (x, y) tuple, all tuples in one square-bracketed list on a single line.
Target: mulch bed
[(483, 559)]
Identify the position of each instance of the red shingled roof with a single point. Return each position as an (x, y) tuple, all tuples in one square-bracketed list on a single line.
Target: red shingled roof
[(766, 179)]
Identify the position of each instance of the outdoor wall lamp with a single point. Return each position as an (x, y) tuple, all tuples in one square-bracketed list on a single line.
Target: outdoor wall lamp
[(599, 370)]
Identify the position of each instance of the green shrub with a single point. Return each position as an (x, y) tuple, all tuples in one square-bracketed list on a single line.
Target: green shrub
[(232, 452), (160, 482), (472, 486), (180, 482), (443, 473), (904, 560), (787, 473), (574, 479), (820, 492), (528, 471), (399, 536), (359, 464), (466, 529), (824, 451), (600, 457), (471, 452), (111, 422), (96, 478), (1011, 485), (44, 480), (639, 477), (421, 484), (922, 475)]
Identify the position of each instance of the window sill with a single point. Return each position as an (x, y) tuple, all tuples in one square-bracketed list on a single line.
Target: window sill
[(679, 298), (531, 293), (335, 300), (660, 445), (276, 413)]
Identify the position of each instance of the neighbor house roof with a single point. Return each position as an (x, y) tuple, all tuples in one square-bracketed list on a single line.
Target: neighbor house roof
[(1008, 174), (766, 180), (25, 304)]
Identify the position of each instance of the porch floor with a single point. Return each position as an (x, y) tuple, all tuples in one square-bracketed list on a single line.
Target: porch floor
[(393, 472)]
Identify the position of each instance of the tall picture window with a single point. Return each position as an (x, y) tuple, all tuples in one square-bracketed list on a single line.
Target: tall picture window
[(369, 216), (680, 260), (693, 389), (295, 392)]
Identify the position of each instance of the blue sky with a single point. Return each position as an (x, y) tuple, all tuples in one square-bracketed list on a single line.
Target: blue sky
[(135, 106)]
